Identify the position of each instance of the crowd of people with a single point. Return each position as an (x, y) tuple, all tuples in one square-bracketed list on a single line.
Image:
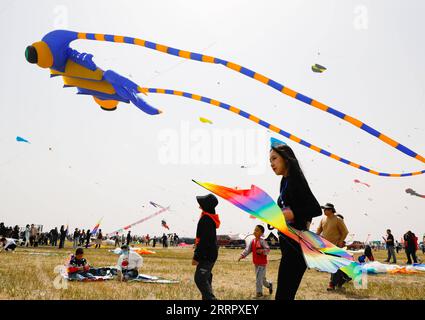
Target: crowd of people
[(32, 236)]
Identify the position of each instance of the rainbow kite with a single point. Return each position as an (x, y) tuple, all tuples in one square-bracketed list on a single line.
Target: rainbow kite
[(94, 231), (319, 253), (108, 88)]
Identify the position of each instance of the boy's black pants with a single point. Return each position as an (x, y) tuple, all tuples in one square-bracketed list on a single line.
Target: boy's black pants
[(203, 279)]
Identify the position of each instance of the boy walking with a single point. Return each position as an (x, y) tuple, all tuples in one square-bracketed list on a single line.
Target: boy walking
[(260, 249)]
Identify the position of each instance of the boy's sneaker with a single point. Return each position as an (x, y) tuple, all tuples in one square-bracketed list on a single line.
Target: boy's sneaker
[(271, 288), (331, 287), (258, 295)]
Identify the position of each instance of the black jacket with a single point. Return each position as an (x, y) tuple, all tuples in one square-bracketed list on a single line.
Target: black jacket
[(296, 194), (206, 238)]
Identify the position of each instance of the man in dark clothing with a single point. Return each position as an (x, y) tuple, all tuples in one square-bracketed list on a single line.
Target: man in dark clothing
[(164, 240), (410, 247), (88, 235), (206, 248), (128, 238), (62, 237), (390, 247), (2, 229), (55, 235)]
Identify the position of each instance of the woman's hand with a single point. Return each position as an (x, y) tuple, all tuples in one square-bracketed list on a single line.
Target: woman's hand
[(288, 214), (194, 262)]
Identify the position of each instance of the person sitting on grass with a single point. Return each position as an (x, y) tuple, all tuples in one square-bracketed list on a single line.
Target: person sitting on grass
[(129, 263), (7, 244), (260, 249), (367, 254), (78, 267)]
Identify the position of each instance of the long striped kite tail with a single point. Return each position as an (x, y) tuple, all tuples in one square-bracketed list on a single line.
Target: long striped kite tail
[(257, 76), (275, 129)]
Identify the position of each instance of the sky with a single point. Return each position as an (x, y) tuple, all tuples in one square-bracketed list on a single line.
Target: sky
[(84, 163)]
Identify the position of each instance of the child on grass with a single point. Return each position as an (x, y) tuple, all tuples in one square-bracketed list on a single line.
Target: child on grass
[(78, 267), (260, 249)]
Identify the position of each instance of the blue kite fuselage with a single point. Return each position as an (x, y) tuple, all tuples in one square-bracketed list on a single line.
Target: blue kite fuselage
[(78, 70)]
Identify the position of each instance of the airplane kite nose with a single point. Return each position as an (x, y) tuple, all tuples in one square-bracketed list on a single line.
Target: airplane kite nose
[(31, 54)]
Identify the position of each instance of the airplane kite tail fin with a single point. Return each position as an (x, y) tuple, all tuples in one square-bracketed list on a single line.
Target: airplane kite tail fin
[(129, 90), (142, 104)]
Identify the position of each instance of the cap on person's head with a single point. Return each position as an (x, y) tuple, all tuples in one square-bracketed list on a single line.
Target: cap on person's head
[(329, 206), (208, 202)]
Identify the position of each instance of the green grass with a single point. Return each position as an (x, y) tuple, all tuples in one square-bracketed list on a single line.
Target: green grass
[(27, 276)]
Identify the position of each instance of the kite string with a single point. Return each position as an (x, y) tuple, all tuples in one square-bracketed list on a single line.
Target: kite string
[(274, 129), (257, 76)]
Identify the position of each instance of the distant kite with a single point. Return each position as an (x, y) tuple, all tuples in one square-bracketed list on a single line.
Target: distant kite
[(363, 183), (164, 224), (20, 139), (276, 142), (318, 68), (414, 193), (138, 221), (205, 120), (156, 205)]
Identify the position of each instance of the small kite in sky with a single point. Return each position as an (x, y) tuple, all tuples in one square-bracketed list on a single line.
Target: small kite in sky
[(276, 142), (164, 224), (20, 139), (318, 68), (205, 120), (156, 205), (363, 183), (414, 193)]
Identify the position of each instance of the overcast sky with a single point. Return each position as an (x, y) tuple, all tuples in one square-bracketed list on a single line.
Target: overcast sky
[(84, 163)]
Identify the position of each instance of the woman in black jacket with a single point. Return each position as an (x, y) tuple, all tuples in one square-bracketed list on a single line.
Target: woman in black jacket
[(206, 249), (299, 206)]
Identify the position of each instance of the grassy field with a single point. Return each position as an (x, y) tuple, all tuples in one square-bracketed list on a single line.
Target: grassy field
[(29, 273)]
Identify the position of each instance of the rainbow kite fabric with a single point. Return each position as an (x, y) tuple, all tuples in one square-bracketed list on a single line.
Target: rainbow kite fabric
[(94, 231), (319, 253)]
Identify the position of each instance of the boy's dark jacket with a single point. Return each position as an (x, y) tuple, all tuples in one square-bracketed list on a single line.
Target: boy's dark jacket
[(206, 248)]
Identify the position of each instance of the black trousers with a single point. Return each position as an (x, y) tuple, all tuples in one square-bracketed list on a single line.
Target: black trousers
[(411, 254), (203, 279), (291, 269)]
